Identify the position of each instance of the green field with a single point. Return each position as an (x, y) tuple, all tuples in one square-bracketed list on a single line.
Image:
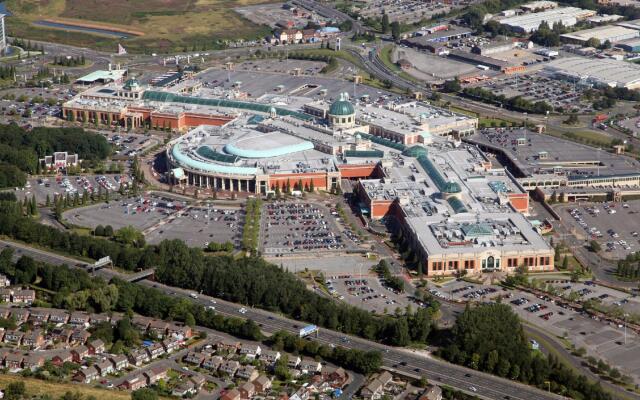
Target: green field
[(166, 25)]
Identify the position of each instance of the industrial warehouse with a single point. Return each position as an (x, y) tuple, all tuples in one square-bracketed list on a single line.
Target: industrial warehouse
[(596, 72)]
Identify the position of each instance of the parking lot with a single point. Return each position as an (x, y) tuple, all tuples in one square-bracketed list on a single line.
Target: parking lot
[(366, 292), (63, 185), (536, 87), (296, 227), (198, 226), (613, 225), (141, 213), (600, 338)]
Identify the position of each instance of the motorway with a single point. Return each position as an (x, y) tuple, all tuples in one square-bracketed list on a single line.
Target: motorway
[(403, 361)]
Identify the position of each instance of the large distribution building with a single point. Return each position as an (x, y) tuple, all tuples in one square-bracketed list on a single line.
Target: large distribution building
[(530, 22), (595, 71)]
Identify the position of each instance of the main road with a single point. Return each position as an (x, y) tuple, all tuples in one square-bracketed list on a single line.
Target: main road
[(404, 361)]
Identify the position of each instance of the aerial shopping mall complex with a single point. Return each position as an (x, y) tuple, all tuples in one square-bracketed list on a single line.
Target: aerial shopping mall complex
[(409, 162)]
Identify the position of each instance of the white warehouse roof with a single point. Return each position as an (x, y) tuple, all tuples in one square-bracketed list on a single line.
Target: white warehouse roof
[(598, 71), (602, 33), (569, 16)]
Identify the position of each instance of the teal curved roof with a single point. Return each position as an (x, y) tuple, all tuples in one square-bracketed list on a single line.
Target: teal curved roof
[(414, 151), (268, 153), (212, 154), (383, 141), (458, 207), (167, 97), (186, 161), (342, 106), (443, 185)]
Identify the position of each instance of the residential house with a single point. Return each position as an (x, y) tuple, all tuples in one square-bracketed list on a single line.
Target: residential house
[(301, 394), (61, 335), (58, 317), (141, 323), (232, 394), (247, 390), (194, 358), (79, 336), (38, 316), (138, 357), (13, 361), (262, 384), (375, 387), (198, 381), (5, 295), (96, 346), (385, 377), (2, 335), (33, 339), (155, 350), (228, 345), (104, 367), (13, 337), (79, 353), (184, 388), (431, 393), (86, 375), (5, 312), (229, 367), (4, 281), (134, 383), (337, 377), (119, 362), (33, 362), (62, 357), (250, 351), (293, 361), (24, 296), (20, 315), (153, 375), (212, 363), (248, 372), (79, 319), (158, 328), (309, 366), (270, 357), (181, 332), (95, 319), (170, 345)]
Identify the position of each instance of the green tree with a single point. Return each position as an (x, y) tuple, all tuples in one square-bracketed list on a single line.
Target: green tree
[(144, 394), (385, 23), (395, 30)]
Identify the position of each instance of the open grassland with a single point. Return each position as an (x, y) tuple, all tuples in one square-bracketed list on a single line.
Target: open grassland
[(36, 387), (166, 25)]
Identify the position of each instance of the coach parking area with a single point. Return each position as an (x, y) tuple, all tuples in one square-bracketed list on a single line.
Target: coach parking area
[(298, 227)]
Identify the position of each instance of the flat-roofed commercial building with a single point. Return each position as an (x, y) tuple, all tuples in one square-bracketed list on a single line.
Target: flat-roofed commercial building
[(478, 243), (598, 72), (527, 23), (602, 33)]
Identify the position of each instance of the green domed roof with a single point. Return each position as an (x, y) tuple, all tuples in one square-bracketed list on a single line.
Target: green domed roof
[(131, 83), (451, 187), (414, 151), (342, 106)]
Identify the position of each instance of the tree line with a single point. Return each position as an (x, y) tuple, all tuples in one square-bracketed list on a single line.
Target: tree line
[(20, 149), (490, 338), (255, 282), (75, 289), (69, 61), (517, 103)]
